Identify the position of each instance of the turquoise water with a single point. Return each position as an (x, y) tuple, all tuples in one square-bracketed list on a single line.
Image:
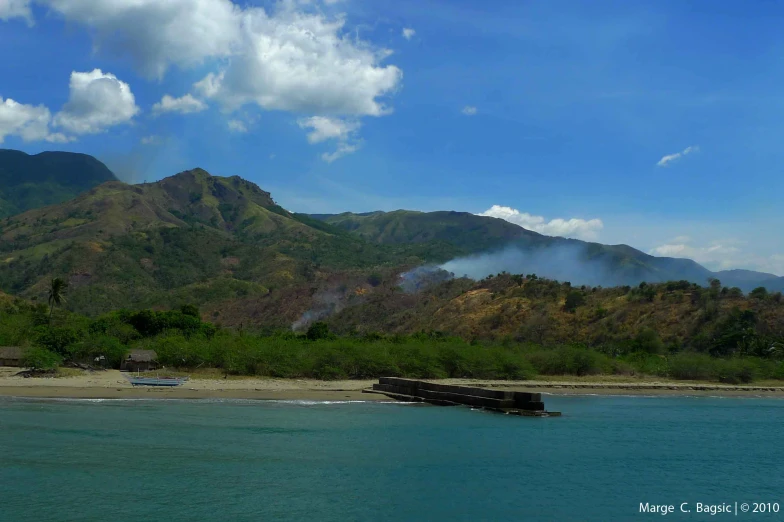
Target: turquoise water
[(246, 460)]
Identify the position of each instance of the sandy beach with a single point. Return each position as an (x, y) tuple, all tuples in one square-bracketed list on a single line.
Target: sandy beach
[(111, 384)]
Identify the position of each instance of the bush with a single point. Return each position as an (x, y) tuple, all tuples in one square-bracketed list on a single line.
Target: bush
[(648, 341), (569, 361), (97, 345), (318, 330), (573, 300), (56, 340), (692, 367), (40, 359), (736, 371)]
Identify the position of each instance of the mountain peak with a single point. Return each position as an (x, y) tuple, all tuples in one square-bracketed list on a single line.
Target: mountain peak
[(32, 181)]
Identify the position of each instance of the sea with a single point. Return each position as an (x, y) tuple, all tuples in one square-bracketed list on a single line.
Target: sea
[(605, 459)]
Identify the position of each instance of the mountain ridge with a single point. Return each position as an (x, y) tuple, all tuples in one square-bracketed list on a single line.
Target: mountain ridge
[(225, 244), (32, 181)]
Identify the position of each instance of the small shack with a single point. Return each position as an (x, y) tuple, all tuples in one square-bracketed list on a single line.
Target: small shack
[(140, 361), (11, 356)]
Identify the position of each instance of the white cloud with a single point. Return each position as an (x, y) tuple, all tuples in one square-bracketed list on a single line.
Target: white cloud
[(156, 34), (323, 129), (577, 228), (302, 62), (328, 128), (722, 255), (97, 101), (237, 126), (408, 33), (151, 140), (16, 9), (293, 57), (342, 150), (29, 122), (669, 158), (184, 105), (469, 110)]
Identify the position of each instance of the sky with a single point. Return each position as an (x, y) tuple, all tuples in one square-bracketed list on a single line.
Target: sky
[(656, 124)]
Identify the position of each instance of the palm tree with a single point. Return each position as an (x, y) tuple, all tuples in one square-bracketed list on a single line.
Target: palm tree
[(56, 294)]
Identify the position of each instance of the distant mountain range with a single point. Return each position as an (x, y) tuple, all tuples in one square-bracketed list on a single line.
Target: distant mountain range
[(554, 257), (224, 243)]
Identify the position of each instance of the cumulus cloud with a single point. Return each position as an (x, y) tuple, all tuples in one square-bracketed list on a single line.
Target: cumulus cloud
[(669, 158), (408, 33), (720, 255), (301, 62), (323, 129), (328, 128), (16, 9), (469, 110), (29, 122), (576, 228), (292, 57), (97, 101), (156, 35), (184, 105)]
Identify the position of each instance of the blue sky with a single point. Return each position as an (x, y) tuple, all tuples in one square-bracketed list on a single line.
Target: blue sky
[(554, 115)]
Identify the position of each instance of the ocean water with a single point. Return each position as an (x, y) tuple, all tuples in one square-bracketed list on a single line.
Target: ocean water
[(118, 460)]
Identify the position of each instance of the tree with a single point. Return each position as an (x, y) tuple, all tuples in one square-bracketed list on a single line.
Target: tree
[(318, 330), (573, 300), (40, 359), (759, 293), (191, 310), (56, 294)]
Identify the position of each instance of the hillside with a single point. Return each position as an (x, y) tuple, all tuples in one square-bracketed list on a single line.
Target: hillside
[(224, 244), (535, 310), (508, 247), (191, 237), (48, 178)]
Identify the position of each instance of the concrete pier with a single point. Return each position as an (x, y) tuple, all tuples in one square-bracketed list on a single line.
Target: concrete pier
[(509, 402)]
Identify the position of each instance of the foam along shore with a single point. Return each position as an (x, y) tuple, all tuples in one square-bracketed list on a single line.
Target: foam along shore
[(111, 384)]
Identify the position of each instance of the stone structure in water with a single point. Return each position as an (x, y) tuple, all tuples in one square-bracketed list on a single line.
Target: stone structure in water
[(510, 402)]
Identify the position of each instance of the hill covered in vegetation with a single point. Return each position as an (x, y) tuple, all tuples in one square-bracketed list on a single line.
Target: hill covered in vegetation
[(505, 246), (191, 237), (48, 178), (223, 243)]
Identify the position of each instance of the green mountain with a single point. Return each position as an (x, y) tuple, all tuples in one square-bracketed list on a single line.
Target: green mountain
[(193, 237), (554, 257), (224, 244), (48, 178)]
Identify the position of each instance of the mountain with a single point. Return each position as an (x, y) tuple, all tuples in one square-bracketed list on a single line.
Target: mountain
[(224, 244), (48, 178), (514, 249), (192, 237)]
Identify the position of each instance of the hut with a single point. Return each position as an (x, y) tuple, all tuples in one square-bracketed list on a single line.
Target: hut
[(11, 356), (140, 361)]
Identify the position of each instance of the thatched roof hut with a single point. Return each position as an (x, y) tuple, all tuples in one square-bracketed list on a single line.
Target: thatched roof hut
[(140, 361), (11, 355)]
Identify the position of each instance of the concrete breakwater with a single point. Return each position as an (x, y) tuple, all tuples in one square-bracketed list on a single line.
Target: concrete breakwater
[(510, 402)]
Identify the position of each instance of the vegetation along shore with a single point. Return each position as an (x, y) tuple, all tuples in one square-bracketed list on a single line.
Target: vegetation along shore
[(740, 347)]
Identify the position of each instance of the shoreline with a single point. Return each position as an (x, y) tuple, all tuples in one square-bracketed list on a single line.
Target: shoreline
[(111, 384)]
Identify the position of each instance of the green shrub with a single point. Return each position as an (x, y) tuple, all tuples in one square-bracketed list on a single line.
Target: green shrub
[(736, 371), (41, 359), (318, 330), (692, 366), (648, 341), (569, 361)]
